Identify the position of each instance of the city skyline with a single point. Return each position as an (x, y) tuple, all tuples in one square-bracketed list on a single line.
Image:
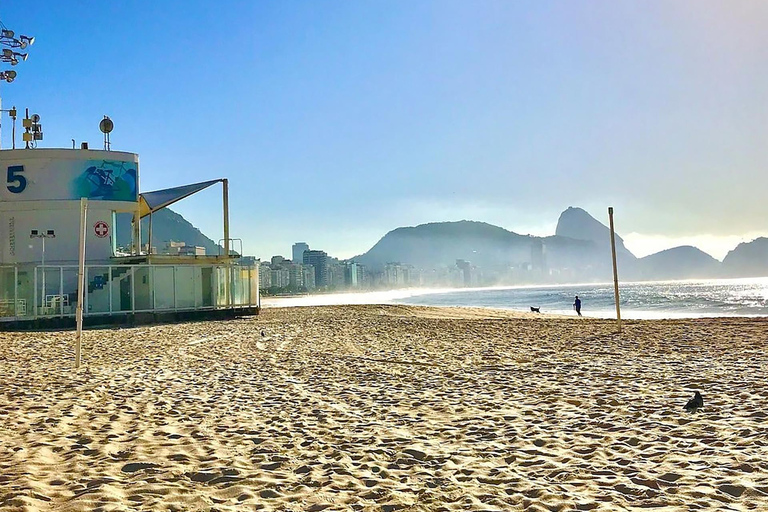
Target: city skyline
[(339, 122)]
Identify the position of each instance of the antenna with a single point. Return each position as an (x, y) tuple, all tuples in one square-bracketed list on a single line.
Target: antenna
[(33, 130), (106, 126)]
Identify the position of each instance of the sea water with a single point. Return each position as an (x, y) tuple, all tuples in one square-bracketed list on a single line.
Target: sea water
[(665, 299), (641, 300)]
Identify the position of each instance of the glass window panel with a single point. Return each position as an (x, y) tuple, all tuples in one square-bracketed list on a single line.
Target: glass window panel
[(185, 287), (164, 289)]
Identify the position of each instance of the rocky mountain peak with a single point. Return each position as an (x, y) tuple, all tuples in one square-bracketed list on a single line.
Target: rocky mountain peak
[(578, 224)]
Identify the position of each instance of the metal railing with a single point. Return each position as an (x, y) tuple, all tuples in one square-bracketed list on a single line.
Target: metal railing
[(113, 289)]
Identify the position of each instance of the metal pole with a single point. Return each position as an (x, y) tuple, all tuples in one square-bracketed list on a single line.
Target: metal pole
[(34, 298), (175, 302), (61, 291), (133, 289), (225, 201), (225, 207), (113, 235), (16, 290), (137, 232), (81, 281), (615, 270), (42, 263)]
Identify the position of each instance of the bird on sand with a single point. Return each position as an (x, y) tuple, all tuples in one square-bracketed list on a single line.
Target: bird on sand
[(694, 403), (263, 333)]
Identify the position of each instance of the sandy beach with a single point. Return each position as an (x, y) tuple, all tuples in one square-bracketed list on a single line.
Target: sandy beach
[(384, 408)]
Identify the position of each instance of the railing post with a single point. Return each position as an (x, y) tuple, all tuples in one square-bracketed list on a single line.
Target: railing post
[(133, 289), (16, 290), (194, 285), (175, 306), (85, 292), (34, 298), (61, 291)]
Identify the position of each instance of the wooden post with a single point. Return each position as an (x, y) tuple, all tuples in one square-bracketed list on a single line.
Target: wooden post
[(615, 271), (81, 281)]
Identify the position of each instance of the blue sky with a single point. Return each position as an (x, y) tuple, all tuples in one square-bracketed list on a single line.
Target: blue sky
[(337, 121)]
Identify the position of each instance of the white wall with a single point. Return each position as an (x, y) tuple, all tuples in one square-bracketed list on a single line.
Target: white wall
[(41, 190)]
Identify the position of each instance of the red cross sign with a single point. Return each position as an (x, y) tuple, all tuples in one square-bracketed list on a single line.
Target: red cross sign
[(101, 229)]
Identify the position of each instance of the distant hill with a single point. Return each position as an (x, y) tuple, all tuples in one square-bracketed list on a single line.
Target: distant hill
[(166, 225), (685, 262), (749, 259), (490, 248), (442, 243)]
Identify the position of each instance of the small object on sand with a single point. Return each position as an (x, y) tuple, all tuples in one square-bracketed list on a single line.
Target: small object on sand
[(694, 403), (263, 333), (535, 310)]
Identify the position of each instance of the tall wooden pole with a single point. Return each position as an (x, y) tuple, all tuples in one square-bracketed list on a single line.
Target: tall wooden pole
[(615, 270), (81, 281)]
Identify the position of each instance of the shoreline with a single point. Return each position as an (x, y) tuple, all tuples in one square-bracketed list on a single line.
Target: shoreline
[(387, 407), (722, 298)]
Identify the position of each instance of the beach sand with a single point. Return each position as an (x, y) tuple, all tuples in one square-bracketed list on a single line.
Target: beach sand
[(383, 408)]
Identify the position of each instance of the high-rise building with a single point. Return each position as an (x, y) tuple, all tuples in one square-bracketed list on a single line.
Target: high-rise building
[(351, 275), (538, 256), (319, 260), (298, 251), (466, 271)]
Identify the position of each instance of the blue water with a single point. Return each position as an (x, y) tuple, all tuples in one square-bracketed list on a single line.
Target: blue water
[(668, 299)]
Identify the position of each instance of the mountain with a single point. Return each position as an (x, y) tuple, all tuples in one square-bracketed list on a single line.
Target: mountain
[(492, 250), (685, 262), (442, 243), (577, 223), (749, 259), (166, 225)]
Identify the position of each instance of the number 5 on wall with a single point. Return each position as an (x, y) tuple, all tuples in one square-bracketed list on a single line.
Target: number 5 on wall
[(16, 182)]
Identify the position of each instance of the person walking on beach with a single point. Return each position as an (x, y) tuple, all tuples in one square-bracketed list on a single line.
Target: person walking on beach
[(577, 305)]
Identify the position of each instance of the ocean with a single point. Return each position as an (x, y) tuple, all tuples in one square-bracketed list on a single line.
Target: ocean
[(642, 300)]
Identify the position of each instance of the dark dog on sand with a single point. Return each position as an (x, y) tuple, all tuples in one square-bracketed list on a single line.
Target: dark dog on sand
[(535, 310), (694, 403)]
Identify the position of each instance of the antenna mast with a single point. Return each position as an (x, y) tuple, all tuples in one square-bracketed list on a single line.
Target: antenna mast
[(106, 126)]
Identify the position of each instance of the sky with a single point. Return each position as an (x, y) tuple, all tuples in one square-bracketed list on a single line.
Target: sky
[(338, 121)]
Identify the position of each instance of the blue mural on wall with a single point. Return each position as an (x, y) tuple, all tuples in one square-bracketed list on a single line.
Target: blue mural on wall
[(108, 180)]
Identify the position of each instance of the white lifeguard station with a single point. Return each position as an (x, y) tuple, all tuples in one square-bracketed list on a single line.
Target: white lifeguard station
[(39, 232)]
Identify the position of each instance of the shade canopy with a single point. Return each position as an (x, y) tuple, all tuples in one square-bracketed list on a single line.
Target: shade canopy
[(150, 202)]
